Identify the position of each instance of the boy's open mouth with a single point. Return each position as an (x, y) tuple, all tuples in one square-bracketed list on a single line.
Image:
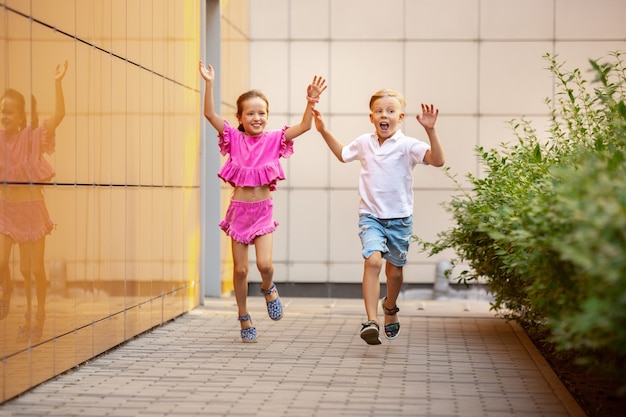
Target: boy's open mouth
[(384, 125)]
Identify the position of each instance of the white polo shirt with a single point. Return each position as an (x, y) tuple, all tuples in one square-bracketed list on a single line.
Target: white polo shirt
[(386, 178)]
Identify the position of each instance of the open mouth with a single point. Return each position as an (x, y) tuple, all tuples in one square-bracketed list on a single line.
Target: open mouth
[(383, 125)]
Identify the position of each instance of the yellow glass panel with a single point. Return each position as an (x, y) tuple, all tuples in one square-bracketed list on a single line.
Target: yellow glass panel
[(123, 253), (65, 352), (42, 363)]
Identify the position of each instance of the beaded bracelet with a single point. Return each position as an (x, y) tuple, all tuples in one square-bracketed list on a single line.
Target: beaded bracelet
[(313, 99)]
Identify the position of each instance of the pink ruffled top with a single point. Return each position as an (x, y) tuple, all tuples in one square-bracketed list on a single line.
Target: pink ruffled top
[(253, 160), (21, 155)]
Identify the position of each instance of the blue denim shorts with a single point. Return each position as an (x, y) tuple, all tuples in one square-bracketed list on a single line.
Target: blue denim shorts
[(391, 237)]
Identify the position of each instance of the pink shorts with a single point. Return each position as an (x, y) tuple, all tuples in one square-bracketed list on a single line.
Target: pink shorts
[(25, 221), (245, 220)]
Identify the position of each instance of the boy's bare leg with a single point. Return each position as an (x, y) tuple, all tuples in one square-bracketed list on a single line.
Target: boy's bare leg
[(371, 285), (394, 285)]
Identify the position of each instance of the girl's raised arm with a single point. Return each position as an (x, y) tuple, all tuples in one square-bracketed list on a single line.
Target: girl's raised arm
[(59, 99), (313, 91), (208, 74)]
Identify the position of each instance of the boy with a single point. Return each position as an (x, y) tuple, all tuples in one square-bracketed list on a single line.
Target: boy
[(386, 189)]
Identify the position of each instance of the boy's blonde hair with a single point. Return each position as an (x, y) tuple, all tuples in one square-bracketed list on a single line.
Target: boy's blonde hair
[(388, 92)]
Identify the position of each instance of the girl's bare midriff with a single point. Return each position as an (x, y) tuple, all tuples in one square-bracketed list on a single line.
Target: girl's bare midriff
[(259, 193), (12, 192)]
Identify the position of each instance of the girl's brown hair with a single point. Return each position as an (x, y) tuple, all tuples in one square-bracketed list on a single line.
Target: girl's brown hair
[(21, 107)]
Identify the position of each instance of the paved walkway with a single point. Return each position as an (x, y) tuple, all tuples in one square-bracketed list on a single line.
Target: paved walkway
[(452, 358)]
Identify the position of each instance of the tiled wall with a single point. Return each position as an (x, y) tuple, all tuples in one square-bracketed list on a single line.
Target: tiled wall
[(123, 256), (479, 61)]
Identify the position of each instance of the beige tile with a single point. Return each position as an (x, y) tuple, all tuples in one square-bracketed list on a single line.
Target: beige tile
[(576, 20), (347, 271), (358, 69), (309, 19), (306, 60), (513, 80), (269, 73), (309, 166), (367, 19), (308, 226), (510, 19), (443, 73), (345, 245), (281, 200), (458, 136), (308, 272), (269, 19), (441, 19), (429, 217)]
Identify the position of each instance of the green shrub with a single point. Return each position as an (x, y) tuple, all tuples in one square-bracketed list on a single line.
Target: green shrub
[(546, 226)]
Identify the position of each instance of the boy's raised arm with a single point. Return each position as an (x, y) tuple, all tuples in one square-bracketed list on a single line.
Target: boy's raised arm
[(332, 142), (435, 156)]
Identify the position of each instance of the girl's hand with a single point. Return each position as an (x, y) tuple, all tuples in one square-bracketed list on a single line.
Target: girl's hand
[(207, 72), (428, 117), (316, 88), (60, 71)]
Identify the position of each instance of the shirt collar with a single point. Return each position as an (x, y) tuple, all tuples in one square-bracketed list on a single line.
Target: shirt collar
[(395, 136)]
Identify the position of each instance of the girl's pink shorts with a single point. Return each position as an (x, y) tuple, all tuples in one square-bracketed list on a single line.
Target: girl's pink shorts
[(25, 221), (245, 220)]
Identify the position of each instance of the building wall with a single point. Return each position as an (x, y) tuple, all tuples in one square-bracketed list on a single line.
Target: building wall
[(123, 255), (233, 72), (479, 61)]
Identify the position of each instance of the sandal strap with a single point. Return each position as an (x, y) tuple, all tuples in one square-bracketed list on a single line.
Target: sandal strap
[(271, 290), (244, 318), (390, 311), (368, 324)]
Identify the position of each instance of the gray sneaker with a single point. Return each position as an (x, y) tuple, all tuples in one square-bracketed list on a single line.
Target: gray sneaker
[(370, 332)]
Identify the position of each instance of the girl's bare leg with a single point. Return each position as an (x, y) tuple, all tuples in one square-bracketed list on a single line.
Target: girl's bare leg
[(264, 246), (32, 266), (240, 279), (6, 285)]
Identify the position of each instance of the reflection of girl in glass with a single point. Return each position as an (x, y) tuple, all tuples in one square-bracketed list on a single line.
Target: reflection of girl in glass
[(24, 219)]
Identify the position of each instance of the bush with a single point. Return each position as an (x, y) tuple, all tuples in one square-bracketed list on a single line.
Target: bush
[(546, 226)]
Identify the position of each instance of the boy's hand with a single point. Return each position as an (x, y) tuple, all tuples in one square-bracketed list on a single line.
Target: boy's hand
[(319, 121), (207, 72), (428, 117), (316, 88)]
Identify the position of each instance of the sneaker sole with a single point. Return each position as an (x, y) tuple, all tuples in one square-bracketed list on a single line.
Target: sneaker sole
[(371, 336)]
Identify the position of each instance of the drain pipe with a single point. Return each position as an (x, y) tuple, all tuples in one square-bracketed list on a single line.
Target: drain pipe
[(442, 284)]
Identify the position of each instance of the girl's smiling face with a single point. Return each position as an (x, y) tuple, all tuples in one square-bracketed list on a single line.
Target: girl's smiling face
[(386, 116), (12, 118), (253, 116)]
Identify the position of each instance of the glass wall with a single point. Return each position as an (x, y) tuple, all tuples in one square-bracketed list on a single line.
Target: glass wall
[(99, 177)]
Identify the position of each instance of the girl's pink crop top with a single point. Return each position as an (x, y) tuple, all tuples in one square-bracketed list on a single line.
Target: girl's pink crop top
[(253, 160), (21, 155)]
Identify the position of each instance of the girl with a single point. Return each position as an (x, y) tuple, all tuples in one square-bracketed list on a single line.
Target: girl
[(253, 169), (24, 218)]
